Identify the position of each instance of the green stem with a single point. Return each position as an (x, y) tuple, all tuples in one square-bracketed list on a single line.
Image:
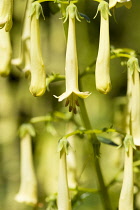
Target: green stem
[(83, 189), (95, 143)]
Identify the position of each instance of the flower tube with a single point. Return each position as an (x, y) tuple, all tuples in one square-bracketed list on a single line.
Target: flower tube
[(38, 74), (28, 187), (102, 69), (63, 200), (126, 196), (6, 11), (5, 52), (23, 61), (134, 69), (71, 64)]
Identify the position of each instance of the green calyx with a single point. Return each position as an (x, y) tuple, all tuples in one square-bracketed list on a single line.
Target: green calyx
[(72, 12), (26, 128), (128, 142), (63, 144), (103, 7), (133, 64), (36, 9)]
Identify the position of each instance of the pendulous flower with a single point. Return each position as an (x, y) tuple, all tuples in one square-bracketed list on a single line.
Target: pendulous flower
[(6, 11), (102, 69), (5, 53), (23, 61), (134, 69), (71, 64), (63, 200), (38, 74), (28, 187), (126, 196)]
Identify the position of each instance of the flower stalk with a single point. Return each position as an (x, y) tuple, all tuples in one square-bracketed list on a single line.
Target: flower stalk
[(5, 52), (71, 65), (102, 69), (38, 74), (6, 11)]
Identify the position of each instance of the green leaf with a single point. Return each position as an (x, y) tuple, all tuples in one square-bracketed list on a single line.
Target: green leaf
[(106, 141)]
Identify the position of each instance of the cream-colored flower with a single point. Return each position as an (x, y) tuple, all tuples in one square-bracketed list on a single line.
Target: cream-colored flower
[(23, 61), (38, 74), (133, 68), (6, 11), (102, 69), (126, 196), (63, 200), (5, 52), (28, 187), (71, 65), (119, 3)]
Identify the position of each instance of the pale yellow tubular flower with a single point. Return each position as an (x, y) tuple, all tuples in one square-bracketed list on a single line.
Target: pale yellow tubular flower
[(6, 11), (119, 3), (71, 65), (71, 158), (135, 104), (38, 74), (63, 200), (23, 61), (28, 187), (102, 69), (126, 196), (5, 52)]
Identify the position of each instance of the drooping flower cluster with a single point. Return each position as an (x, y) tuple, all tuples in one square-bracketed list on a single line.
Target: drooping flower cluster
[(133, 132)]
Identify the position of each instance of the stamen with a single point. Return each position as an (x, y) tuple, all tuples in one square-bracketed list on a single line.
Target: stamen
[(74, 110), (70, 108), (67, 102), (77, 103)]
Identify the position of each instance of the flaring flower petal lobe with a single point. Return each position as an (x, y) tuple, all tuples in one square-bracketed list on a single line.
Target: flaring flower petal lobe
[(82, 94)]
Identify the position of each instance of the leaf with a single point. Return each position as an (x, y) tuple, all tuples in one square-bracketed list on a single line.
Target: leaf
[(106, 141), (84, 16)]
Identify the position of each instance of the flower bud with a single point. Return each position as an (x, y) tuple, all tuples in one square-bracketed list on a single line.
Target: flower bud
[(6, 10), (38, 74), (102, 69), (5, 53)]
